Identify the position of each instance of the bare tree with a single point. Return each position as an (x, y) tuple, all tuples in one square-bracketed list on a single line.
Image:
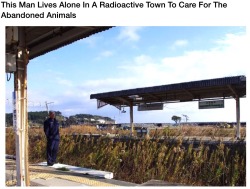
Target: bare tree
[(186, 117)]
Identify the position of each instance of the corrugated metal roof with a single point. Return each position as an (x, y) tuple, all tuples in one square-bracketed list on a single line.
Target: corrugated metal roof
[(227, 87), (41, 40)]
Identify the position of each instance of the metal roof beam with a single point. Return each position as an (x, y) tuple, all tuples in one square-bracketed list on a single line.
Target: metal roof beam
[(233, 90), (153, 96), (189, 93), (123, 100), (53, 31), (56, 41), (59, 37)]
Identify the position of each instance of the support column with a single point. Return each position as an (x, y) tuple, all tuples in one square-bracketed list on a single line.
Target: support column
[(131, 118), (21, 126), (238, 116)]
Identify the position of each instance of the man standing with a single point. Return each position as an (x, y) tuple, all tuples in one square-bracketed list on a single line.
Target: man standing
[(51, 130)]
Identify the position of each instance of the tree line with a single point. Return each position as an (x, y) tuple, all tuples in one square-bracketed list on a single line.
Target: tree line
[(36, 119)]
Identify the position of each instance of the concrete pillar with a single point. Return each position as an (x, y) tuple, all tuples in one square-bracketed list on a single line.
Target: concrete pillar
[(21, 116), (238, 117)]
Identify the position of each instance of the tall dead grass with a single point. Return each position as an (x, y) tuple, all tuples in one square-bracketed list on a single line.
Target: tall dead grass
[(141, 160), (206, 131)]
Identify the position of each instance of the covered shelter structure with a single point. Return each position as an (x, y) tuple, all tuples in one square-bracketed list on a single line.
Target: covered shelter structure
[(23, 44), (154, 97)]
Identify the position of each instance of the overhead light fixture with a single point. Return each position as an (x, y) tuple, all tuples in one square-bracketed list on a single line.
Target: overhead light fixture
[(123, 111), (139, 98), (135, 97)]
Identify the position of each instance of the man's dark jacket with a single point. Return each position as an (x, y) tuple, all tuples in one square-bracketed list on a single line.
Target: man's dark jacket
[(51, 129)]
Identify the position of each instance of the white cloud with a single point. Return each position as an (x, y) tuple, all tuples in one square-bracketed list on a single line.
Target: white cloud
[(104, 54), (91, 41), (107, 53), (108, 84), (232, 39), (129, 33), (227, 58), (143, 70), (54, 72), (179, 43), (143, 59), (64, 82)]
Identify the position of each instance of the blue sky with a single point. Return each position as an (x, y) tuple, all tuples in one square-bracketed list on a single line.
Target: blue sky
[(131, 57)]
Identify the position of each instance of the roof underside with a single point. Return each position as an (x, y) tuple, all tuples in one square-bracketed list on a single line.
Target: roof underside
[(227, 87), (41, 40)]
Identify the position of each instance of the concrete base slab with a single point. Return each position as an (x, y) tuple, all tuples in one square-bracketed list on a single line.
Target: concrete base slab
[(96, 173), (56, 182)]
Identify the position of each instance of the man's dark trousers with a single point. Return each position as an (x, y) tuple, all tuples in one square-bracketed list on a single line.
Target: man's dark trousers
[(52, 149)]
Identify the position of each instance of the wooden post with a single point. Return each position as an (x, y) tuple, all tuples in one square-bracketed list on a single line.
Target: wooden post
[(21, 116), (238, 116), (131, 118)]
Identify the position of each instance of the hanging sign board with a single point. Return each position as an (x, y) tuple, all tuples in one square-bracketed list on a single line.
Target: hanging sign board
[(211, 104), (146, 107)]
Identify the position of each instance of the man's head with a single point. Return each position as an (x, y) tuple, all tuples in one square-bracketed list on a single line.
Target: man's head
[(52, 114)]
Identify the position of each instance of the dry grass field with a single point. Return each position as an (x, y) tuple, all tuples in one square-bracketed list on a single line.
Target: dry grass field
[(139, 160), (184, 130)]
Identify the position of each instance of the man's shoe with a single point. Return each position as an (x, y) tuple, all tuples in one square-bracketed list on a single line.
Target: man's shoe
[(50, 164)]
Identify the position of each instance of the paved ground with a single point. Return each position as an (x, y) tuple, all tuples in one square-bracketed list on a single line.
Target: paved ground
[(41, 175), (49, 176)]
